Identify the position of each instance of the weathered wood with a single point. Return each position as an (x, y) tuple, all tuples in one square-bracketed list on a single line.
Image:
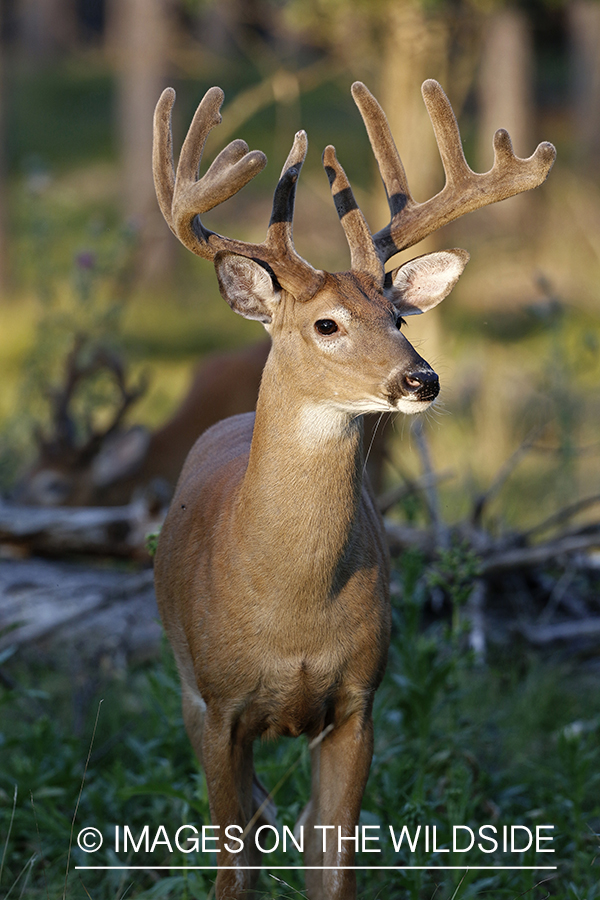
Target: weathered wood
[(95, 611), (524, 557), (563, 631), (58, 531), (101, 612)]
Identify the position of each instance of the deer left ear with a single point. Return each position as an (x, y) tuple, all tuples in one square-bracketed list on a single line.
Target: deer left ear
[(247, 286), (422, 283)]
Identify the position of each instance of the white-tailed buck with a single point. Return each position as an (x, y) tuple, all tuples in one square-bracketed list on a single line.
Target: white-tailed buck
[(110, 467), (272, 568)]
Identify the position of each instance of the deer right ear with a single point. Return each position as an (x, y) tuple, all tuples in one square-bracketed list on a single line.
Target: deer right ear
[(422, 283), (120, 456), (247, 286)]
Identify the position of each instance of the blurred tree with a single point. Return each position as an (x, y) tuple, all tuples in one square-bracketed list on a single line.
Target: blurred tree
[(414, 47), (219, 24), (139, 33), (583, 18), (3, 274), (401, 42), (505, 97), (45, 28)]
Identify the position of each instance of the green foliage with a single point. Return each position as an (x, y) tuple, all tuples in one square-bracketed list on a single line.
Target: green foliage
[(81, 285), (63, 118), (454, 572), (152, 542), (516, 743)]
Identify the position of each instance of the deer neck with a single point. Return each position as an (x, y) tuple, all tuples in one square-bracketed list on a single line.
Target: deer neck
[(303, 483)]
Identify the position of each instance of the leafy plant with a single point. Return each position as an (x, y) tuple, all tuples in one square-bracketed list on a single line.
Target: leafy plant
[(80, 288), (516, 743)]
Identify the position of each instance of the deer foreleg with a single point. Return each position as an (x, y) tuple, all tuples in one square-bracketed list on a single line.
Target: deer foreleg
[(345, 759), (229, 770), (309, 819)]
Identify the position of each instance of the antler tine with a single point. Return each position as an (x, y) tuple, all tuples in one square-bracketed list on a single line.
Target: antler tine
[(162, 154), (280, 231), (278, 249), (60, 397), (181, 195), (363, 254), (103, 358), (384, 148), (64, 438), (508, 176), (464, 191)]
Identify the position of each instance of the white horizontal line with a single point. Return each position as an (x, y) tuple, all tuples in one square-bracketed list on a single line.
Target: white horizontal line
[(320, 868)]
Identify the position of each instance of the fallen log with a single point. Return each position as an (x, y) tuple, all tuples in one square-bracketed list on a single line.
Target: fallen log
[(562, 631), (524, 557), (92, 611), (59, 531)]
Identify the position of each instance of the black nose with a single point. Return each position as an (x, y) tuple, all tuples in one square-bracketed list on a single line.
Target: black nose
[(425, 384)]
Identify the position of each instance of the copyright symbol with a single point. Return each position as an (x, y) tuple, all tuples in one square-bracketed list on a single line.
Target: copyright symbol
[(89, 840)]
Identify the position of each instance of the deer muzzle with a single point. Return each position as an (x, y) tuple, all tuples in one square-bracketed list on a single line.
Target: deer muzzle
[(420, 385)]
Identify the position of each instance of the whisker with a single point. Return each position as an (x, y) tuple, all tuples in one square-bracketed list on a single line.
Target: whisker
[(377, 424)]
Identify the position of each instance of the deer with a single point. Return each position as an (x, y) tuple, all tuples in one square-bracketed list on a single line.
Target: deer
[(115, 465), (272, 569), (64, 471), (110, 466)]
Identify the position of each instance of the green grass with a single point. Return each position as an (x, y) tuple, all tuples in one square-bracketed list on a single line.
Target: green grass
[(59, 117), (515, 743)]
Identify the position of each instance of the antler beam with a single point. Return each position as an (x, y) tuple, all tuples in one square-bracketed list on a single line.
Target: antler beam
[(464, 190), (64, 437), (183, 196)]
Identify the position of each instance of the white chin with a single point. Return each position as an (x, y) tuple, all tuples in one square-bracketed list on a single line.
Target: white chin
[(412, 406)]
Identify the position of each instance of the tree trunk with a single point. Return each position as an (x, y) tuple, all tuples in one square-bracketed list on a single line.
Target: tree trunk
[(140, 33), (505, 98), (584, 34), (3, 220), (46, 28), (414, 48)]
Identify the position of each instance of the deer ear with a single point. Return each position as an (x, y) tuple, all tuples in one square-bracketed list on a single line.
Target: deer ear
[(422, 283), (120, 456), (247, 286)]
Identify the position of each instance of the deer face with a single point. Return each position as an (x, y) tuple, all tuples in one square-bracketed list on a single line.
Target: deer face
[(342, 326), (343, 346)]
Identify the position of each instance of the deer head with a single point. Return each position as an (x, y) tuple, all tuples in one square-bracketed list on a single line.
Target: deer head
[(270, 282), (271, 571), (71, 466)]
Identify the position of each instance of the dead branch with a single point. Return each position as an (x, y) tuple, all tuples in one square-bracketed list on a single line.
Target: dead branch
[(274, 87), (534, 556), (562, 631), (504, 474), (59, 531), (562, 515), (411, 486), (476, 614), (430, 493), (405, 537)]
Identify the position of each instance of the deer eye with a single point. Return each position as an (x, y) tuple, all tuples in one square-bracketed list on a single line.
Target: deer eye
[(326, 326)]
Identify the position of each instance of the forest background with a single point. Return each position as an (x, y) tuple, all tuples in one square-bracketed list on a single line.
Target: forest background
[(84, 250)]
